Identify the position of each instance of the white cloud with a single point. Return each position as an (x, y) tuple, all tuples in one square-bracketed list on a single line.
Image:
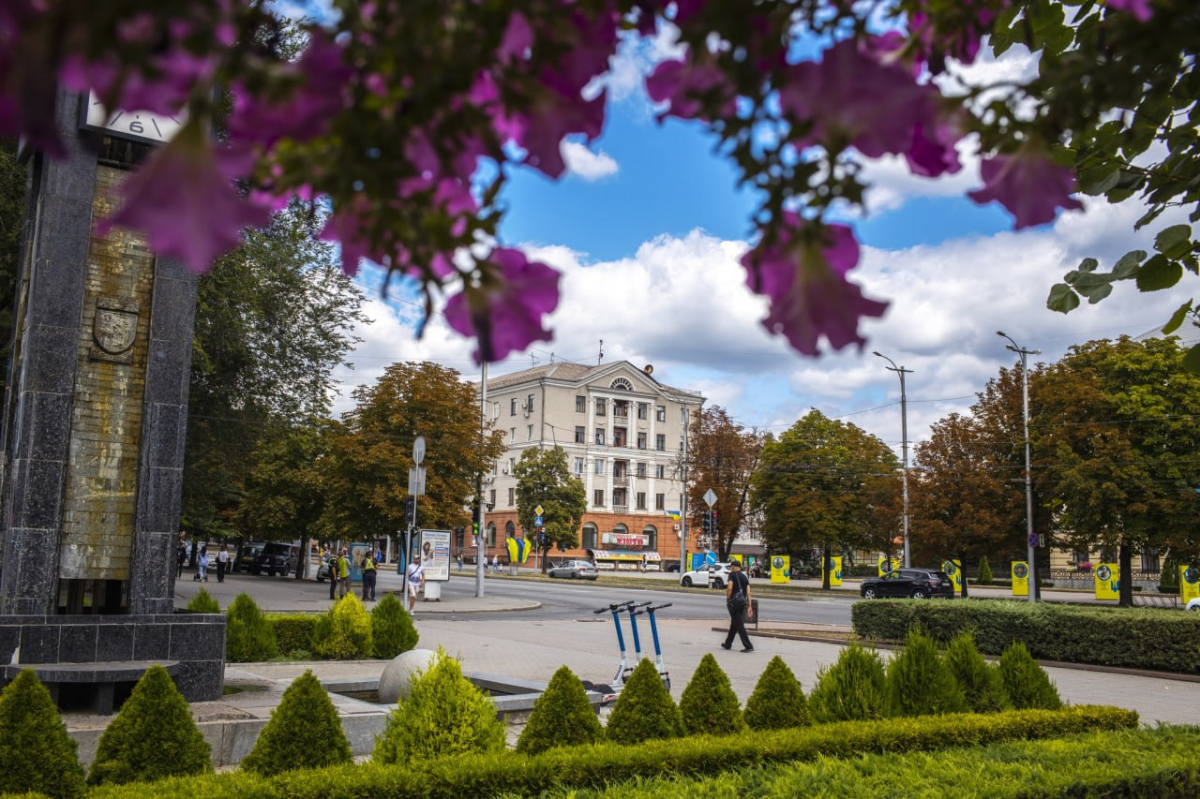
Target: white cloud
[(586, 164)]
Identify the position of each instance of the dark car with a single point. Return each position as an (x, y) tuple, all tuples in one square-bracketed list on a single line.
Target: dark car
[(276, 559), (915, 583), (244, 560)]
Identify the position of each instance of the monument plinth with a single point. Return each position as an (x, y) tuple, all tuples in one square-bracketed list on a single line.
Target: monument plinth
[(93, 433)]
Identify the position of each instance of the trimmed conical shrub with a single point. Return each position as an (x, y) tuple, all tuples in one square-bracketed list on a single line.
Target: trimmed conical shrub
[(852, 689), (644, 710), (304, 732), (708, 704), (562, 716), (36, 753), (344, 632), (778, 700), (919, 684), (248, 635), (444, 715), (152, 737), (985, 572), (203, 602), (392, 629), (979, 681), (1026, 682)]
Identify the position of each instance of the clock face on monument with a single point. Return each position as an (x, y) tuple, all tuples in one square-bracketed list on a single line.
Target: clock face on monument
[(140, 126)]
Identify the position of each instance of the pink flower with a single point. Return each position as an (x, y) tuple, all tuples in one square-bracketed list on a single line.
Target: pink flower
[(555, 113), (1028, 185), (506, 317), (932, 151), (1139, 8), (803, 273), (184, 204), (961, 34), (518, 38), (348, 226), (850, 97), (685, 83)]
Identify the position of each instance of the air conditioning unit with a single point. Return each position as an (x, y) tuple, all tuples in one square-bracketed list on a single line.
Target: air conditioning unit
[(505, 470), (676, 528)]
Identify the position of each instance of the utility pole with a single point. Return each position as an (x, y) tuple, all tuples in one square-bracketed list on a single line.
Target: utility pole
[(683, 510), (1032, 541), (481, 535), (901, 371)]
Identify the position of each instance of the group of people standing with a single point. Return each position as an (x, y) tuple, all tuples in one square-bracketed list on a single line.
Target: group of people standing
[(203, 561), (339, 574)]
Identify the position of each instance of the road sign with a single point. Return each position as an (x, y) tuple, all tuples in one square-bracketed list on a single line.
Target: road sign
[(419, 450), (537, 511), (416, 481), (1033, 540), (537, 521), (710, 498)]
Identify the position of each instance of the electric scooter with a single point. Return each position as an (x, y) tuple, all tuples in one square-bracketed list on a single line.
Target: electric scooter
[(658, 659), (634, 610), (610, 691)]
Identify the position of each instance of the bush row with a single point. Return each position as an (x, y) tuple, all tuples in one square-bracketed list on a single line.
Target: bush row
[(1130, 763), (1144, 638), (607, 763)]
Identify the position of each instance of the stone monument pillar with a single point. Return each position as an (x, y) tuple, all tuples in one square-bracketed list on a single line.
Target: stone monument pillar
[(93, 433)]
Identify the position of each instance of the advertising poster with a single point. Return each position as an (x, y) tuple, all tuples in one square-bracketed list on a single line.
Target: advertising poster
[(1020, 578), (1108, 585), (781, 569), (887, 565), (834, 565), (1189, 583), (953, 570), (435, 555), (358, 551)]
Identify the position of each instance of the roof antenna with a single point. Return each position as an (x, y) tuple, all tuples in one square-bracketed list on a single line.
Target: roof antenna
[(532, 359), (601, 358)]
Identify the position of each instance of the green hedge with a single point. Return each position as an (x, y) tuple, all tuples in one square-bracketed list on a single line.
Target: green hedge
[(608, 763), (1163, 763), (1143, 638), (293, 631)]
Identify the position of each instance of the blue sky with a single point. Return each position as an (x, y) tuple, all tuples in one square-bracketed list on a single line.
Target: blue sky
[(647, 229)]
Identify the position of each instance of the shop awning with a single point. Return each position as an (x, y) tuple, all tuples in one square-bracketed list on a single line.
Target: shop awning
[(623, 554)]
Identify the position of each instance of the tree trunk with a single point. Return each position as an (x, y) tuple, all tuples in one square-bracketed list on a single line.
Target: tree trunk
[(1125, 575), (825, 567), (302, 561)]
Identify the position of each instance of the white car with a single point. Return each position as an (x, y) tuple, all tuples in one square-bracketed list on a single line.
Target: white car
[(1194, 604), (715, 575)]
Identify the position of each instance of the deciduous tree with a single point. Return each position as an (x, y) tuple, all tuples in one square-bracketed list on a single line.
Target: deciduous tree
[(722, 456), (544, 478)]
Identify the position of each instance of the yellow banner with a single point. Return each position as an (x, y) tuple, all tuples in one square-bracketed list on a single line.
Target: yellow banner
[(1189, 583), (953, 570), (834, 566), (781, 569), (1020, 578), (888, 565), (1108, 584)]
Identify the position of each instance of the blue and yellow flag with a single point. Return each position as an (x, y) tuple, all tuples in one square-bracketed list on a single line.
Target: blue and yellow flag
[(518, 550), (674, 514)]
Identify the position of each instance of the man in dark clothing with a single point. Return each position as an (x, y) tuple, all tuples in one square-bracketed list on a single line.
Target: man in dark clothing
[(737, 602)]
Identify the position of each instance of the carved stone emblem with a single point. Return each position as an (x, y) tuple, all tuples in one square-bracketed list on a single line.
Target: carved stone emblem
[(113, 333)]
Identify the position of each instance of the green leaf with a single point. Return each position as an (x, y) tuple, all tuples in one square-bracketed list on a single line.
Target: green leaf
[(1094, 286), (1177, 318), (1158, 273), (1191, 361), (1127, 266), (1062, 298), (1088, 265), (1175, 241), (1098, 180)]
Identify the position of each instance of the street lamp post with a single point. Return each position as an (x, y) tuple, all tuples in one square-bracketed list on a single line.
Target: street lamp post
[(901, 371), (1032, 541)]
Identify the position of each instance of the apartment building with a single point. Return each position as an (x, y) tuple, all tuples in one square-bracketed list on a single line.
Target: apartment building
[(623, 434)]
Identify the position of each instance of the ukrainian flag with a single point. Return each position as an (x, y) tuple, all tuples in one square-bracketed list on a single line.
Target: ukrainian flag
[(674, 514), (518, 550)]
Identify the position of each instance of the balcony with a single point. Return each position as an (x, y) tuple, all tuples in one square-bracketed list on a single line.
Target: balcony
[(620, 509), (621, 480)]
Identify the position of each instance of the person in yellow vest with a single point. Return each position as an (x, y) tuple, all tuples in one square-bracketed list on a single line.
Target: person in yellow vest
[(368, 570), (343, 573)]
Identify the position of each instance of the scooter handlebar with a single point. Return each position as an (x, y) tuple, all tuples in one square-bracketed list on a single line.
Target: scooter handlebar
[(612, 608)]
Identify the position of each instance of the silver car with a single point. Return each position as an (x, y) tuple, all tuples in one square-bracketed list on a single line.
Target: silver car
[(575, 570)]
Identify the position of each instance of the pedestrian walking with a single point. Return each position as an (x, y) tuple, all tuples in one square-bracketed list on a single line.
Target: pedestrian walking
[(222, 563), (460, 561), (737, 602), (496, 564), (414, 579), (368, 569), (331, 561), (343, 573), (202, 565), (181, 553)]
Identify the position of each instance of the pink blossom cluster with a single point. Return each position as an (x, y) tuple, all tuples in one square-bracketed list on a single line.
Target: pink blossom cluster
[(864, 94)]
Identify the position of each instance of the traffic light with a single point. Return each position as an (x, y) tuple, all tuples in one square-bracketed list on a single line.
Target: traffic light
[(713, 523), (707, 523), (410, 511)]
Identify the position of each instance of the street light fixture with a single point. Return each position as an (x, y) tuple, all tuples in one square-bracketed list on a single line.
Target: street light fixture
[(1032, 540), (901, 371)]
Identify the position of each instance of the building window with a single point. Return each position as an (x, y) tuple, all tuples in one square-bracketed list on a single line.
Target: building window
[(492, 497), (512, 465), (641, 440), (651, 533), (512, 407), (510, 530), (618, 436), (660, 442), (641, 469), (580, 434), (579, 466), (512, 435), (599, 466), (1080, 556), (601, 406), (643, 410), (491, 534), (660, 471), (660, 501), (530, 431), (512, 497), (641, 500), (580, 403), (1150, 561), (529, 403), (600, 438), (589, 536), (660, 413), (598, 497)]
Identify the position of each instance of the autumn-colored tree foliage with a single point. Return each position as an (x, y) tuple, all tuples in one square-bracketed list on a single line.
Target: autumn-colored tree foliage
[(370, 451), (816, 486), (722, 455), (544, 478)]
